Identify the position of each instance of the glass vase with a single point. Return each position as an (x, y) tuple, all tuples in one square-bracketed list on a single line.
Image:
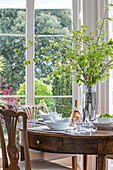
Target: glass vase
[(89, 105)]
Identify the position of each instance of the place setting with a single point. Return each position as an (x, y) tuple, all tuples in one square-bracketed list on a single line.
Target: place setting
[(53, 122)]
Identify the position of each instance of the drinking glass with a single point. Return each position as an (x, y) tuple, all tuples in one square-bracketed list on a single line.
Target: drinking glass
[(51, 109), (74, 123), (91, 118), (98, 110)]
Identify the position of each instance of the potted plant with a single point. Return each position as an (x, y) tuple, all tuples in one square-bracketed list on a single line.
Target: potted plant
[(86, 56), (88, 59)]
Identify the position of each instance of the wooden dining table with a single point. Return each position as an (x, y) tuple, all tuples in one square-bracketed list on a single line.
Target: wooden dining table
[(99, 143)]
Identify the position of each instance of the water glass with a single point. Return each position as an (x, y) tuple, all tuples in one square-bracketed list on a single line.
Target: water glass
[(98, 110), (74, 122)]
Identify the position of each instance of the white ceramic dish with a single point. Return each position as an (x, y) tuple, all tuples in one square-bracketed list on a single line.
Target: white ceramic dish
[(104, 120), (43, 115), (59, 125), (67, 119), (103, 126)]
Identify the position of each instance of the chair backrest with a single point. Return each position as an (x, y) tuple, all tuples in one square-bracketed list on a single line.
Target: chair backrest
[(32, 110), (11, 151)]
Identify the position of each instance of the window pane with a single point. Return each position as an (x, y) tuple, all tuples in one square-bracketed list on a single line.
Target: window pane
[(12, 21), (42, 68), (58, 86), (59, 19), (14, 71), (63, 105)]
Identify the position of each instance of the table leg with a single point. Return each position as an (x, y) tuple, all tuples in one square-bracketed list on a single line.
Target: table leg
[(85, 161), (101, 164), (22, 153), (74, 162), (96, 162)]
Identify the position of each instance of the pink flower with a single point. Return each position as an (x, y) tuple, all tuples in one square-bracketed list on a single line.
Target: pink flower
[(6, 85), (18, 99), (5, 93), (14, 92), (0, 85), (7, 90), (7, 98), (11, 88), (3, 79)]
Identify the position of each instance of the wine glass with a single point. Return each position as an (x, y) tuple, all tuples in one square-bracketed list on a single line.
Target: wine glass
[(91, 118), (98, 110)]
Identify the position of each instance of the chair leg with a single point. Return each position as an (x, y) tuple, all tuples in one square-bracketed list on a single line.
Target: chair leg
[(22, 153), (74, 162), (85, 162)]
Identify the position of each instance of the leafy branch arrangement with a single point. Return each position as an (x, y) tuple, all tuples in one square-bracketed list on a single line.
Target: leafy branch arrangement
[(89, 58)]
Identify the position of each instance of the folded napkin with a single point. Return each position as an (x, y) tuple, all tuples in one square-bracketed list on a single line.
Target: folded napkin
[(41, 112)]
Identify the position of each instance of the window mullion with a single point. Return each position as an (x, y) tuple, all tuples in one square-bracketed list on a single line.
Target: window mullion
[(30, 51)]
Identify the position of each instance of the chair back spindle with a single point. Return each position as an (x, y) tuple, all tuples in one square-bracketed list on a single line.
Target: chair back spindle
[(32, 110)]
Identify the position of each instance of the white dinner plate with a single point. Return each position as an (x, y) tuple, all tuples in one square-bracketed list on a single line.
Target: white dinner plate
[(58, 129), (103, 126)]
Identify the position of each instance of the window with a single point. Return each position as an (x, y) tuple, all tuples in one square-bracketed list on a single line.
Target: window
[(16, 28), (21, 21)]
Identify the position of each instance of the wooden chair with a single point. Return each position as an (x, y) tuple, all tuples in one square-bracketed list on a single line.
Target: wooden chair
[(12, 152), (31, 111)]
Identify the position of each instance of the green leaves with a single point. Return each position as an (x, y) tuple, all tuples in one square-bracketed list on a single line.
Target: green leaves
[(26, 47), (16, 51), (30, 42), (27, 62), (86, 58), (36, 60), (110, 19)]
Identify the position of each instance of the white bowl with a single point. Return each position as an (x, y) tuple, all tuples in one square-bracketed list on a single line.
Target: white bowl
[(104, 120), (67, 119), (58, 125)]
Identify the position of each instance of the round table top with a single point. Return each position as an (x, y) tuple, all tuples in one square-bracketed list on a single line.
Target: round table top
[(39, 129)]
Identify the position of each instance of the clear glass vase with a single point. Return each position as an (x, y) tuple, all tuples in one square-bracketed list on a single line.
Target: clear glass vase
[(89, 105)]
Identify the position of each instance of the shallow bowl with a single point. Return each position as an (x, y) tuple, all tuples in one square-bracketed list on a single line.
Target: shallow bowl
[(67, 119), (58, 125), (104, 120)]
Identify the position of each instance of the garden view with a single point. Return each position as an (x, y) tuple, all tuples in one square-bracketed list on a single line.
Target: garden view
[(12, 78)]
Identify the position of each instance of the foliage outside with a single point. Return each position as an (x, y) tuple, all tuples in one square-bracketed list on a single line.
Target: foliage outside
[(62, 104)]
